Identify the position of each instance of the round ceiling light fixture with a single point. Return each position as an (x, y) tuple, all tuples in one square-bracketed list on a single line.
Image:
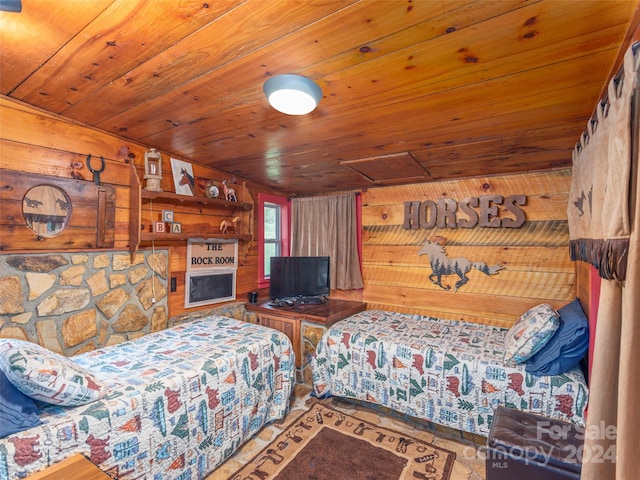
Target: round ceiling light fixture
[(292, 94)]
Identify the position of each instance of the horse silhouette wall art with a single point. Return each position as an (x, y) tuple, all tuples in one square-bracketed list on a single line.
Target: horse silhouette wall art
[(442, 265)]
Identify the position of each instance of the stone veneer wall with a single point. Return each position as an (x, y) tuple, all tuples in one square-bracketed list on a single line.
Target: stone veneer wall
[(77, 302)]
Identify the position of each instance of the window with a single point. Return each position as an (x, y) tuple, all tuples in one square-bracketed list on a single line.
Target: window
[(273, 233), (272, 236)]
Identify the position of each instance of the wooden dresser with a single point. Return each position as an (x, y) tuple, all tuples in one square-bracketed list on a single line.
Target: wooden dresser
[(304, 324)]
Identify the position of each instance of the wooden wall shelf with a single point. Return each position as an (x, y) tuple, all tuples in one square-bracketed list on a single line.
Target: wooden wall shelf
[(148, 236), (138, 194), (174, 197)]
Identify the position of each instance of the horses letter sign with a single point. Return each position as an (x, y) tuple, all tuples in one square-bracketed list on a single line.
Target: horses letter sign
[(446, 212)]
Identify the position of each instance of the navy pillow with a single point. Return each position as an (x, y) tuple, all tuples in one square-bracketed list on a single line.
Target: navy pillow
[(17, 411), (566, 347)]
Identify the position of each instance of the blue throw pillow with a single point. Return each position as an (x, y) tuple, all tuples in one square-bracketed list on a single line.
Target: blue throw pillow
[(566, 347), (17, 411)]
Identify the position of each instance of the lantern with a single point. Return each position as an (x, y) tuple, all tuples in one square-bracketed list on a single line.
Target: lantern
[(153, 170)]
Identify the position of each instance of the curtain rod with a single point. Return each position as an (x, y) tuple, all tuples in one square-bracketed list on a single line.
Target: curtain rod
[(289, 198), (603, 103)]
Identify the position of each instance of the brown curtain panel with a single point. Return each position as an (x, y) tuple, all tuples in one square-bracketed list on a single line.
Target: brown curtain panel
[(604, 230), (327, 226)]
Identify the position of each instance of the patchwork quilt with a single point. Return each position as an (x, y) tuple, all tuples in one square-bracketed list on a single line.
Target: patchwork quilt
[(448, 372), (179, 403)]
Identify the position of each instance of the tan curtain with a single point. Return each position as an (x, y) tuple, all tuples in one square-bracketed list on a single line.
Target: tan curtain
[(327, 225), (604, 229)]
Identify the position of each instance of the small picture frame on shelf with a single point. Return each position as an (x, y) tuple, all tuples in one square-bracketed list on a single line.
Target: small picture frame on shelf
[(167, 216), (183, 179), (176, 227), (159, 227)]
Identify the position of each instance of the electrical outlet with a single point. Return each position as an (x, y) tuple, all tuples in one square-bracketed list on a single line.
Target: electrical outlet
[(174, 284)]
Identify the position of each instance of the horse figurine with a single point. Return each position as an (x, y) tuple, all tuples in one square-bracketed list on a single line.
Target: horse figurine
[(188, 180), (225, 225), (443, 265), (229, 193)]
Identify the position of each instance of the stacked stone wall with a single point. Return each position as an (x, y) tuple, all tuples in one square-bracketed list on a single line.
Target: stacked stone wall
[(77, 302)]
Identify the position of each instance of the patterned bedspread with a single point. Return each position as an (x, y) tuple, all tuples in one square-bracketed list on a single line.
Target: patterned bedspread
[(181, 401), (447, 372)]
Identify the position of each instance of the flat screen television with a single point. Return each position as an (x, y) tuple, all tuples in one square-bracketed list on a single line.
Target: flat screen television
[(299, 276)]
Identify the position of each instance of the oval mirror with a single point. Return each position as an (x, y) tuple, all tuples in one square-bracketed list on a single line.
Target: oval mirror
[(46, 209)]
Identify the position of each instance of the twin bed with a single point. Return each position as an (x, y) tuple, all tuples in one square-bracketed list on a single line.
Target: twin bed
[(447, 372), (178, 403)]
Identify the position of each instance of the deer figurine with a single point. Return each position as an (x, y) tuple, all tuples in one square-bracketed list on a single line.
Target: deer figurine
[(225, 225), (229, 193)]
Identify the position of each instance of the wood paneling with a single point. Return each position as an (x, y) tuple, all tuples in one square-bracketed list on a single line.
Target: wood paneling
[(535, 257), (466, 87), (35, 142), (583, 286)]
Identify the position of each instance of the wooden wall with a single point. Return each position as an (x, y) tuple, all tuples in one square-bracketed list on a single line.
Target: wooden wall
[(535, 256), (40, 143)]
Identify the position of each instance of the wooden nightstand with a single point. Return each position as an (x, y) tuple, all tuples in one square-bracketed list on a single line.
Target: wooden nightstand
[(76, 467), (295, 320)]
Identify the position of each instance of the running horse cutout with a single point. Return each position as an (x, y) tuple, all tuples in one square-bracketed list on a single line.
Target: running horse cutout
[(443, 265), (188, 180)]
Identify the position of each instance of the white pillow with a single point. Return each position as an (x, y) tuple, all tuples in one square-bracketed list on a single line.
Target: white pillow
[(46, 376), (530, 333)]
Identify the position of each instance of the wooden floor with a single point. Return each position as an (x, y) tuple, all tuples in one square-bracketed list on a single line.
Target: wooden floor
[(469, 464)]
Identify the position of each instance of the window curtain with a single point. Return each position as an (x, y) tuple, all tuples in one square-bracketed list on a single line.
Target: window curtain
[(604, 230), (327, 226)]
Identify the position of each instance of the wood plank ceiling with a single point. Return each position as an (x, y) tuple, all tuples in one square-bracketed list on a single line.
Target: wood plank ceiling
[(412, 90)]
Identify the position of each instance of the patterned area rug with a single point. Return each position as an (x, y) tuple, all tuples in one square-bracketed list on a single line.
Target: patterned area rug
[(325, 444)]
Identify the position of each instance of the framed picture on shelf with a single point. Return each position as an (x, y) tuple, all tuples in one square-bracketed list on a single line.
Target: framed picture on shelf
[(167, 216), (159, 227), (183, 179), (176, 227)]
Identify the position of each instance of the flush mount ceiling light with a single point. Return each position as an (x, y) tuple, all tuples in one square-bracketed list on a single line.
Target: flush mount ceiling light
[(292, 94)]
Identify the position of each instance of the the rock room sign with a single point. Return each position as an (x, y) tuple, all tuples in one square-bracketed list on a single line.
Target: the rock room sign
[(483, 211), (211, 253)]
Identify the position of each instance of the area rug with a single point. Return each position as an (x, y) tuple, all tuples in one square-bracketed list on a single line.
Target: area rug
[(326, 444)]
